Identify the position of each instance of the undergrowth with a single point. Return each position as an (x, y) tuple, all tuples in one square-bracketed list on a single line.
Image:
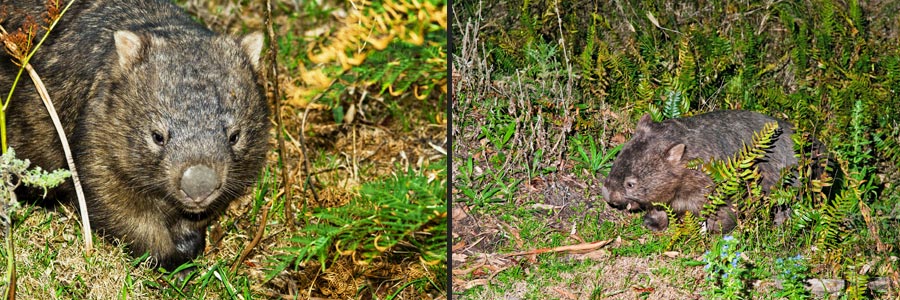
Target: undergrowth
[(386, 48), (402, 214), (830, 68)]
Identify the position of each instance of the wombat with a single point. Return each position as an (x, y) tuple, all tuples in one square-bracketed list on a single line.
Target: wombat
[(167, 120), (651, 167)]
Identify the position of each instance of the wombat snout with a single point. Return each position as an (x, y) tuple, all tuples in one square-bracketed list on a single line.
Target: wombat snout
[(198, 182), (624, 204)]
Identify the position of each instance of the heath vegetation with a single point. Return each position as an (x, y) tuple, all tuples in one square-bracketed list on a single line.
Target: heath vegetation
[(545, 93)]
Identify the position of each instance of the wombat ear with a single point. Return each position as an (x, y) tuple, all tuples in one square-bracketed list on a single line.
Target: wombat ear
[(675, 153), (644, 124), (128, 47), (252, 45)]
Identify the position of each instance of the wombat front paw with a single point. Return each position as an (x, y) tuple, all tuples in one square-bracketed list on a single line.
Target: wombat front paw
[(656, 220)]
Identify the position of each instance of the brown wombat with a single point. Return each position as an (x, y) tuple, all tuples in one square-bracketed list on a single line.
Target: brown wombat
[(651, 166), (167, 120)]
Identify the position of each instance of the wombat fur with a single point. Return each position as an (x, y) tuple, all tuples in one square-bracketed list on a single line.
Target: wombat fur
[(167, 120), (651, 166)]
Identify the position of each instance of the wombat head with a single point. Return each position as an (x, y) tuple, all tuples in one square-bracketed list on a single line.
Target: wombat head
[(182, 118), (648, 169)]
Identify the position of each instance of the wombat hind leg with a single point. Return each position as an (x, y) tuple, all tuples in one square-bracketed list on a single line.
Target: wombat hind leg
[(723, 222)]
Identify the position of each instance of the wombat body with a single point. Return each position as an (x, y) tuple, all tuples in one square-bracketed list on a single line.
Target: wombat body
[(651, 167), (167, 120)]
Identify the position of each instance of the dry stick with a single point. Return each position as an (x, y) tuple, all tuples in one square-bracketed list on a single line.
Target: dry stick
[(11, 256), (260, 230), (571, 248), (285, 174), (285, 167), (85, 222)]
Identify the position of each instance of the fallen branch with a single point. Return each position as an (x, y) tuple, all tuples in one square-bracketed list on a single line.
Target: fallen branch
[(579, 248)]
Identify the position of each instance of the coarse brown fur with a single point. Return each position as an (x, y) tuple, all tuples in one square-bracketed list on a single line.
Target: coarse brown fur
[(144, 93), (651, 167)]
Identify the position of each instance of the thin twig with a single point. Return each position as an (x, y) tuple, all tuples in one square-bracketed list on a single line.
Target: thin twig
[(11, 253), (260, 231), (580, 248), (279, 123)]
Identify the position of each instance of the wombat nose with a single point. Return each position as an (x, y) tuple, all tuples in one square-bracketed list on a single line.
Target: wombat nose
[(198, 182)]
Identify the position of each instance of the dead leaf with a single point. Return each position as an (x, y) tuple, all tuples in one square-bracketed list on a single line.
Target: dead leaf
[(458, 246), (653, 19), (618, 139), (564, 293), (545, 206), (459, 257), (475, 282)]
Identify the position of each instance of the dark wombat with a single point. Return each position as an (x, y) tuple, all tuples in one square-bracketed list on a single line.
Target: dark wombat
[(167, 120), (651, 166)]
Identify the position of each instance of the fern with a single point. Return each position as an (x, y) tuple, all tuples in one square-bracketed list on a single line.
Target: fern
[(857, 284), (402, 213), (886, 144), (737, 177), (687, 65), (831, 228), (685, 231), (826, 28), (393, 47)]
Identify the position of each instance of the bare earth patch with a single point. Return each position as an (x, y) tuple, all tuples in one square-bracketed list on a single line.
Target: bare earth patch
[(485, 246)]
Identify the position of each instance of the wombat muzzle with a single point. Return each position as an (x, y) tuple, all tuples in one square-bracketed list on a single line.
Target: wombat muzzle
[(198, 182)]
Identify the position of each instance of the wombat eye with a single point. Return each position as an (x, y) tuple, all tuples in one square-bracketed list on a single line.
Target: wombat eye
[(630, 182), (233, 139), (158, 138)]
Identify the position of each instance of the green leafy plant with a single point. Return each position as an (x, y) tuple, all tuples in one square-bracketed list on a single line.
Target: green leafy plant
[(736, 178), (383, 47), (13, 173), (405, 212), (685, 232), (593, 159), (793, 273), (674, 105), (726, 270)]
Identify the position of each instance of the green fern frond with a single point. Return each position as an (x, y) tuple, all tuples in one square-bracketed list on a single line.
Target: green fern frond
[(887, 146), (685, 231), (738, 176), (687, 65)]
